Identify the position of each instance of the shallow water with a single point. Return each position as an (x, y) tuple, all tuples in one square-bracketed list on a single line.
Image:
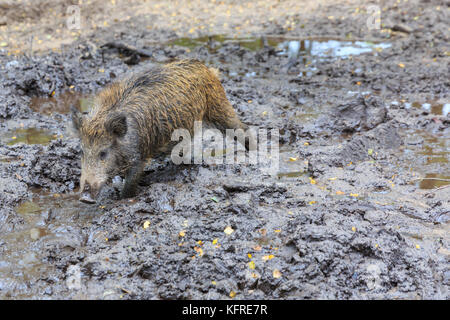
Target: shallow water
[(433, 107), (428, 154), (61, 103), (28, 136), (49, 219), (321, 47)]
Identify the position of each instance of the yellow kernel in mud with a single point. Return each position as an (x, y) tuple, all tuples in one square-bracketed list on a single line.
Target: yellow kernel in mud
[(199, 251), (401, 65), (146, 224), (182, 233), (228, 230), (249, 255), (232, 294), (354, 229), (354, 194), (215, 241), (293, 159), (417, 246), (251, 265), (268, 257), (213, 282), (276, 274), (14, 138)]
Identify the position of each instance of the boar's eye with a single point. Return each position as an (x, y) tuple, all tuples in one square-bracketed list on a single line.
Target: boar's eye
[(102, 155)]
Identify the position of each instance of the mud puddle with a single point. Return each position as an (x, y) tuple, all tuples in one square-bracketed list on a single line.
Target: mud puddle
[(49, 220), (61, 103), (433, 107), (320, 47), (27, 136), (291, 165), (306, 52), (429, 155)]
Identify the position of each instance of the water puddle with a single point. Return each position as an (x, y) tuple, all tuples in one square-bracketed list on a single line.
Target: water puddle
[(328, 48), (433, 107), (50, 220), (217, 41), (27, 136), (316, 47), (429, 155), (61, 103), (291, 166)]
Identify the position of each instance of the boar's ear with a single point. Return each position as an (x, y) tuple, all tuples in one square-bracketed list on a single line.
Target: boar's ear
[(116, 124), (77, 118)]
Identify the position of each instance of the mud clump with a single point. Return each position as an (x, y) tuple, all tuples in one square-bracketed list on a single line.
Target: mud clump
[(359, 114), (54, 167), (133, 120), (373, 144), (361, 147)]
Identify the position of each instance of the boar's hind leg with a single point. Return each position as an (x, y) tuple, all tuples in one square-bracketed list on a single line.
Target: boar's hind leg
[(132, 179), (225, 117)]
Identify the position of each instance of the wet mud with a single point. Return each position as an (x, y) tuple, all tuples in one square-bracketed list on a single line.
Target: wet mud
[(359, 207)]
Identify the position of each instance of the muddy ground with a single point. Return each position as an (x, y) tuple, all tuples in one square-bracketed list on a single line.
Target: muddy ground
[(358, 209)]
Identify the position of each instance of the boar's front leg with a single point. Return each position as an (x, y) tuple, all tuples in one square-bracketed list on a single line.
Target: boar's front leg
[(132, 178)]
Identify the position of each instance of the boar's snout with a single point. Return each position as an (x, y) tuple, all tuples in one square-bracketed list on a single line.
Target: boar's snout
[(86, 194)]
